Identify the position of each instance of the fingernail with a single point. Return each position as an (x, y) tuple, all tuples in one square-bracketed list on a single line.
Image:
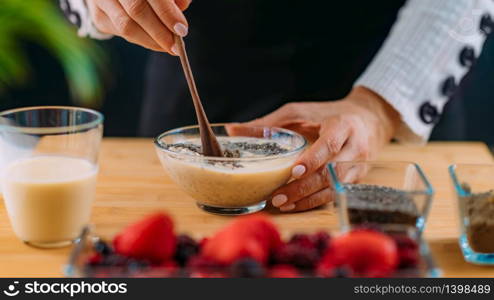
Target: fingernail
[(180, 29), (287, 207), (174, 49), (279, 200), (298, 171)]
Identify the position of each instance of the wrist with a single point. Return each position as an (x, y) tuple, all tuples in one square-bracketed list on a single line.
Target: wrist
[(388, 118)]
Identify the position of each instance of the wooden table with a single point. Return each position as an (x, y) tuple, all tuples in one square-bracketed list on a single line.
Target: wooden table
[(132, 184)]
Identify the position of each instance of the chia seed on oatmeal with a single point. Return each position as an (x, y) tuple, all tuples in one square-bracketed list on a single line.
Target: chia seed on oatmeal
[(232, 149)]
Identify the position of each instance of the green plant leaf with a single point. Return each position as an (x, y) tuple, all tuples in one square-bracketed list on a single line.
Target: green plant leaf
[(41, 22)]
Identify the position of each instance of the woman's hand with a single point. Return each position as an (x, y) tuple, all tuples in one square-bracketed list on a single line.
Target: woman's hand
[(149, 23), (353, 128)]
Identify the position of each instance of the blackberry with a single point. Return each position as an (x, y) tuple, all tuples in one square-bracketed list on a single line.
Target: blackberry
[(102, 248), (114, 260), (247, 268), (404, 242), (186, 248), (300, 257), (134, 265), (342, 272)]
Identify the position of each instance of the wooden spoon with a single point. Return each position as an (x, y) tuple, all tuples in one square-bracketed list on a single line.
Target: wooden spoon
[(210, 145)]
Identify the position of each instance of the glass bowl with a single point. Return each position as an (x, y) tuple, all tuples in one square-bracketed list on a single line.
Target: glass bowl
[(389, 195), (474, 188), (84, 249), (228, 185)]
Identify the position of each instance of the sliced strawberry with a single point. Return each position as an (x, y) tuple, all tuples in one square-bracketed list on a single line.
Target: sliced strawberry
[(259, 226), (251, 236), (366, 253), (227, 246), (150, 239)]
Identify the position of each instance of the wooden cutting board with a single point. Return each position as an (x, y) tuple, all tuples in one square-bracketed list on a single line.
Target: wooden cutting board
[(132, 184)]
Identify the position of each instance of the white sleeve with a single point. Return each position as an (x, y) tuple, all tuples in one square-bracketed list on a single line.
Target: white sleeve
[(77, 12), (429, 50)]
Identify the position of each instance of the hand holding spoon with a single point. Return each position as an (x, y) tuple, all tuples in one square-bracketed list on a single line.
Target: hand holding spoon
[(210, 145)]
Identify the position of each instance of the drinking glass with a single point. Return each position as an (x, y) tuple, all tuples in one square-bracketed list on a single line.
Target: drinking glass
[(49, 164)]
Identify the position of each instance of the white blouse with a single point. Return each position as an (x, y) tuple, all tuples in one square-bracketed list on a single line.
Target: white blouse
[(429, 50)]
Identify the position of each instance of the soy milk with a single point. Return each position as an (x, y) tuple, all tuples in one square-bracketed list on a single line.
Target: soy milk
[(49, 197)]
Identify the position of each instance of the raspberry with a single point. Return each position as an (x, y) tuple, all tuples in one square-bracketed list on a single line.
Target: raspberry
[(300, 257), (247, 268), (318, 241), (94, 259), (321, 241), (302, 240), (408, 258), (186, 248), (404, 242)]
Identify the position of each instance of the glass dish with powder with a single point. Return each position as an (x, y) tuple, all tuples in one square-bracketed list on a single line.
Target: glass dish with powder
[(474, 188)]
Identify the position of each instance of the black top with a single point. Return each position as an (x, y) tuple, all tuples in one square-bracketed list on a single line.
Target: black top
[(251, 56)]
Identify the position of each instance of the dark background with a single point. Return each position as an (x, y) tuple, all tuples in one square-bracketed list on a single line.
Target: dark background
[(124, 89)]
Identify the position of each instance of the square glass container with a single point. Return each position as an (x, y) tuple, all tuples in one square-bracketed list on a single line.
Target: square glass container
[(388, 195), (474, 188)]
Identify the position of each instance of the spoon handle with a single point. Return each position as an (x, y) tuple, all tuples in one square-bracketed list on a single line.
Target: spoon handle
[(210, 145)]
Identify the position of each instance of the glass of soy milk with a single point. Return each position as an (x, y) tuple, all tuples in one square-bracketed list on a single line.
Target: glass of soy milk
[(48, 167)]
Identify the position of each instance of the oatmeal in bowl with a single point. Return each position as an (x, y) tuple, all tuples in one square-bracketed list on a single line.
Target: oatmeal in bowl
[(254, 164)]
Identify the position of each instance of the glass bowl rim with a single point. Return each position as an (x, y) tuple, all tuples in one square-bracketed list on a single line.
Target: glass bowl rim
[(297, 150), (53, 129), (454, 177), (340, 189)]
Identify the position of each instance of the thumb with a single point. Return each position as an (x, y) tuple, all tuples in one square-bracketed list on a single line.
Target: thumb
[(333, 136), (183, 4)]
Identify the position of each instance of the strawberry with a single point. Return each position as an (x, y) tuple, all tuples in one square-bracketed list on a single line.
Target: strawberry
[(261, 227), (251, 236), (150, 239), (283, 271), (227, 246), (366, 253)]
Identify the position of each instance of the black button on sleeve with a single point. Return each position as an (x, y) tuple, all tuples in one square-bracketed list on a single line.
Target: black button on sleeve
[(429, 113), (467, 57), (73, 16), (486, 24), (75, 19), (448, 87)]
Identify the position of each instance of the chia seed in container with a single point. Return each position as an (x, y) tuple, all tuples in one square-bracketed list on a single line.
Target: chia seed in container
[(373, 204)]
